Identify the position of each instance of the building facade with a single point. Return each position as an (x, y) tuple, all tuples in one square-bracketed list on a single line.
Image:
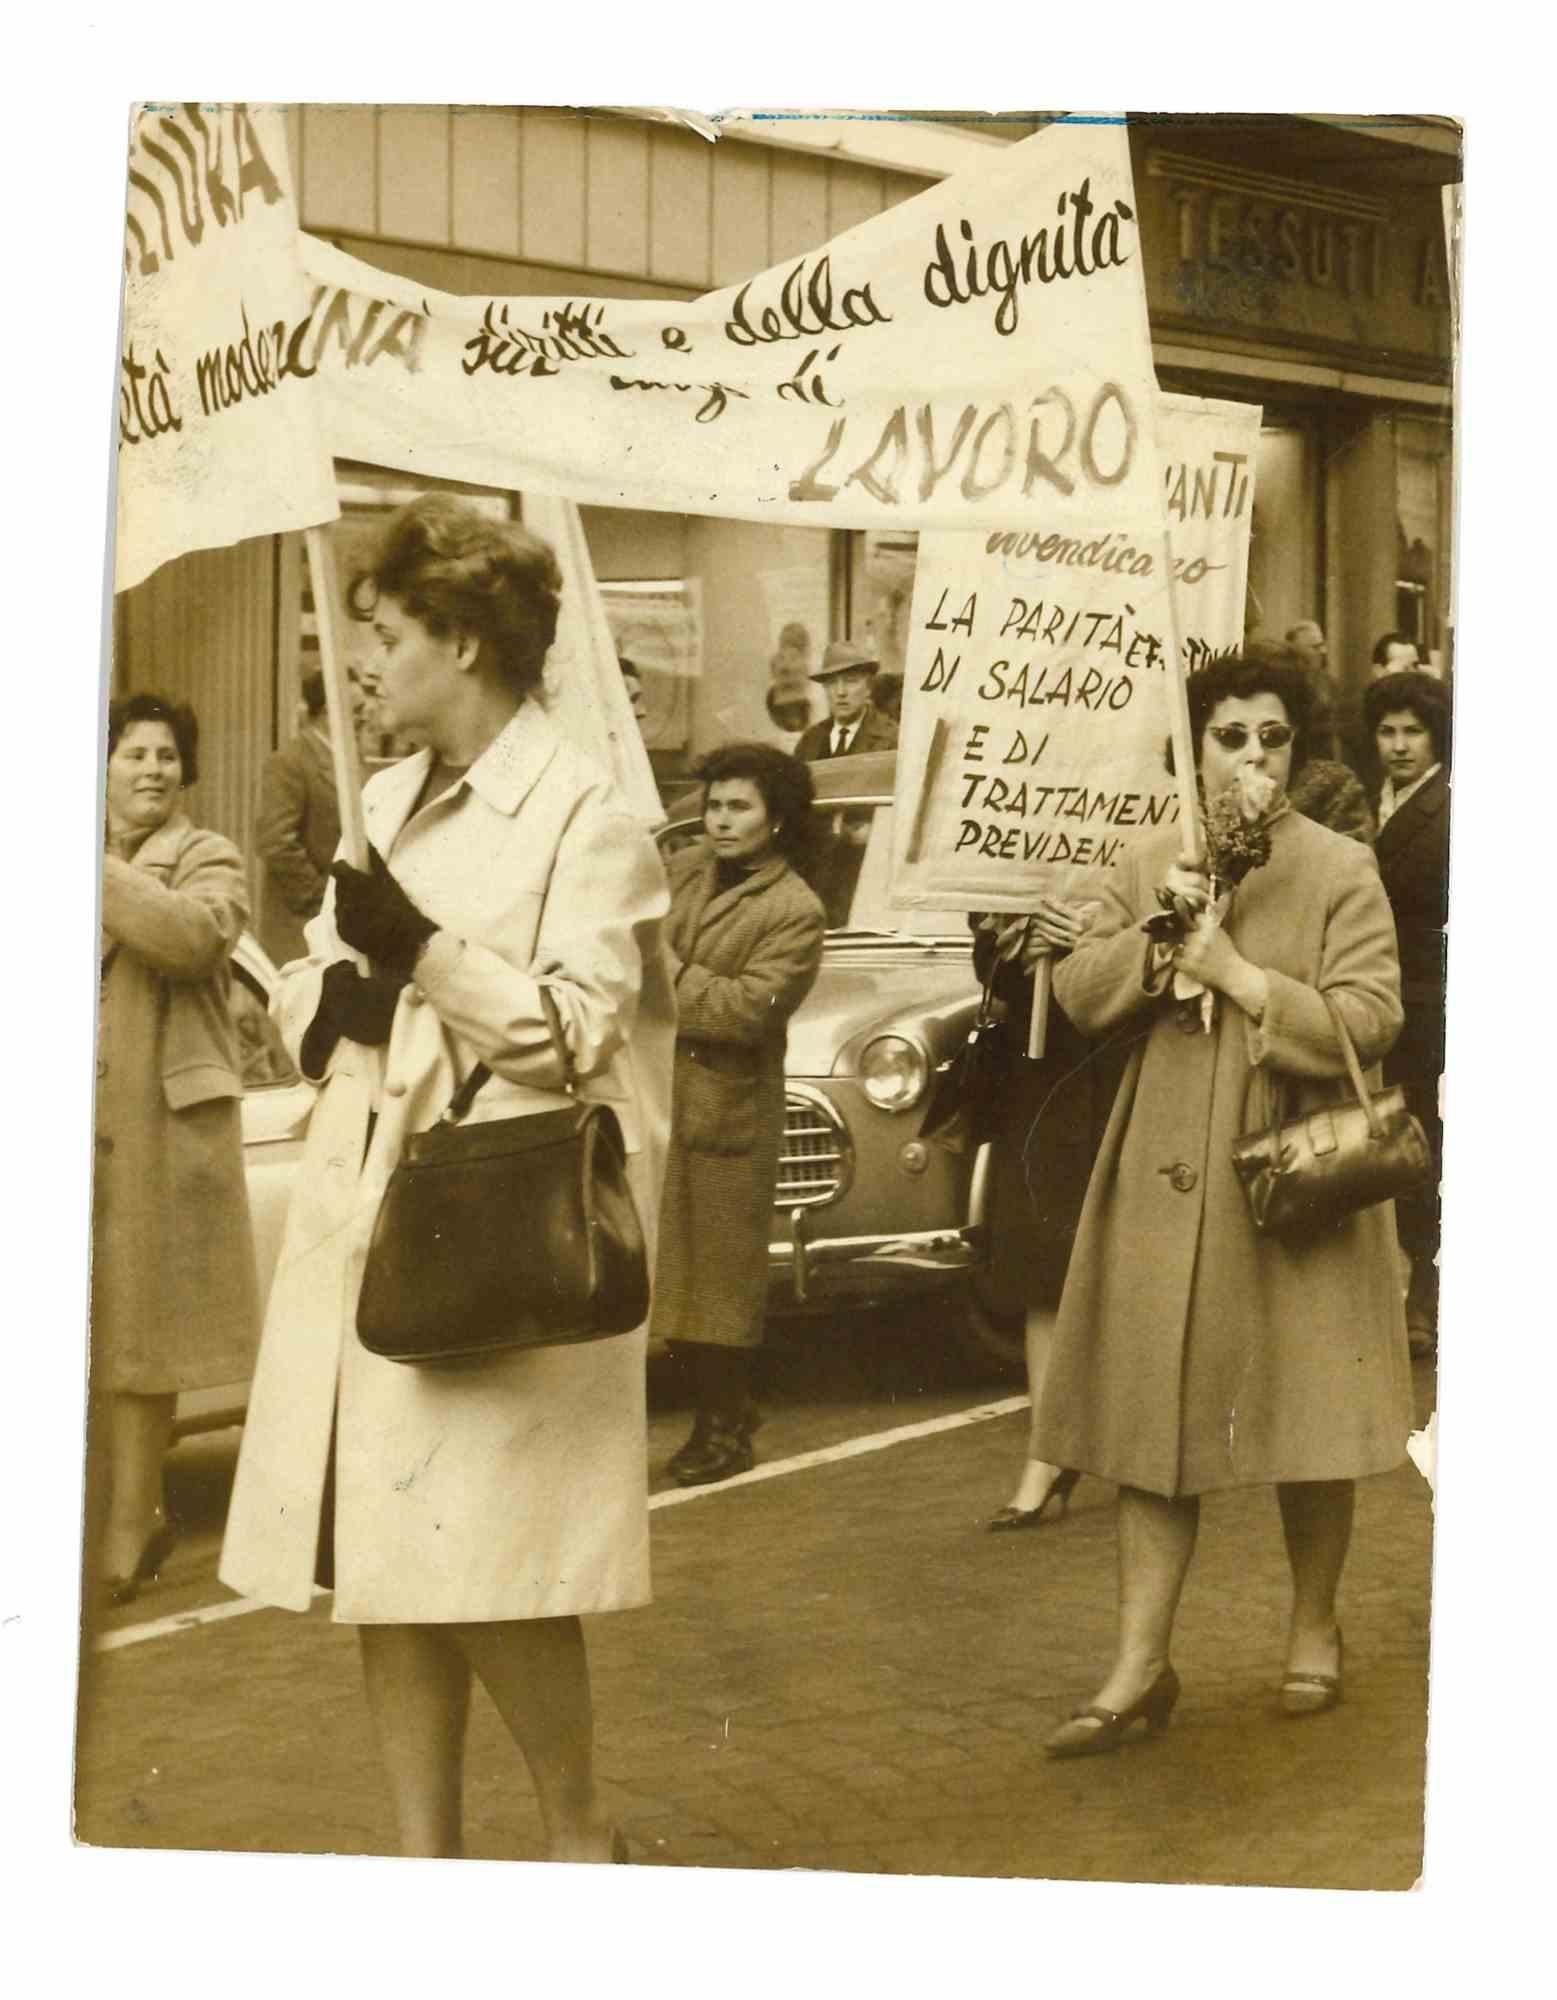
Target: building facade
[(1297, 262)]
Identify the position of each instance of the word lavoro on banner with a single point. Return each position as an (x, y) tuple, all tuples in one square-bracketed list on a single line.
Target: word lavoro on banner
[(981, 347)]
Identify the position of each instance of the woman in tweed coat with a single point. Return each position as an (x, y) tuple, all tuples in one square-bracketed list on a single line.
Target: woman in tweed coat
[(1193, 1354), (174, 1297), (746, 943)]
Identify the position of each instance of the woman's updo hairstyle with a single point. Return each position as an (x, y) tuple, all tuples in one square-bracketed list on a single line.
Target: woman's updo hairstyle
[(148, 707), (457, 571)]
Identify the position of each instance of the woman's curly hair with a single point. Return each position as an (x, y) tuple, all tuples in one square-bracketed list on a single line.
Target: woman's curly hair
[(787, 792), (1414, 693), (149, 707), (1261, 668), (457, 571)]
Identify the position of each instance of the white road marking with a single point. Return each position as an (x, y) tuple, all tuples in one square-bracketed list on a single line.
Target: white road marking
[(855, 1447), (779, 1468)]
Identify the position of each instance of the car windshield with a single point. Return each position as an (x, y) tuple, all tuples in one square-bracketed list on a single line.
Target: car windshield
[(852, 871)]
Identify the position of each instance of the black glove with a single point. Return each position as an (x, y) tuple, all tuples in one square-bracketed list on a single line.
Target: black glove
[(375, 916), (360, 1007)]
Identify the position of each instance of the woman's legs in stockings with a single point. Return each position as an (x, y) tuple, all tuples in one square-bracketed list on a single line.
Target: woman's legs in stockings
[(1316, 1519), (136, 1432), (1156, 1540), (1038, 1475), (537, 1673), (418, 1685)]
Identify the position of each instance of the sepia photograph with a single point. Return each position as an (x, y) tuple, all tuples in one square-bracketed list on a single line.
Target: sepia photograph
[(769, 1100)]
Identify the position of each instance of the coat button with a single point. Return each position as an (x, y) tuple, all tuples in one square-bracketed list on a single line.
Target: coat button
[(412, 997), (1182, 1176), (1189, 1023), (104, 1143), (395, 1089)]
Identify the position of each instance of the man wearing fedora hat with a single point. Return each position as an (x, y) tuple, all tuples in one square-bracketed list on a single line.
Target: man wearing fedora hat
[(853, 725)]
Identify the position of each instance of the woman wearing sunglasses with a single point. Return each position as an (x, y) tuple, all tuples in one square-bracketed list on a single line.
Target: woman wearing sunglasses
[(1193, 1354)]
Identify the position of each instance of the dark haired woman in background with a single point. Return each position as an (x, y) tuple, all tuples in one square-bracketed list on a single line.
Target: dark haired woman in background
[(746, 941), (174, 1302), (1192, 1353), (1407, 716), (464, 1517)]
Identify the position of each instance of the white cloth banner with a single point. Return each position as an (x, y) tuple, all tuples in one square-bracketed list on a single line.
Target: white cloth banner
[(1034, 697), (219, 434), (585, 694), (975, 354)]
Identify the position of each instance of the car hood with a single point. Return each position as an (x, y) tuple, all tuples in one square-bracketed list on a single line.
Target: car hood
[(881, 988)]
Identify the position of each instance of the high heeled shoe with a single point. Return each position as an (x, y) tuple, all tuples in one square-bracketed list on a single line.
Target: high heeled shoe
[(1080, 1738), (159, 1546), (1313, 1694), (1032, 1517)]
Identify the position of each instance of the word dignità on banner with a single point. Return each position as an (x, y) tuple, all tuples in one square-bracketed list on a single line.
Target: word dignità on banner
[(218, 429), (1036, 682), (975, 351)]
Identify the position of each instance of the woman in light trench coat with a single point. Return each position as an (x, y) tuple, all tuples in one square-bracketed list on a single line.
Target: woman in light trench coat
[(1191, 1353), (469, 1516)]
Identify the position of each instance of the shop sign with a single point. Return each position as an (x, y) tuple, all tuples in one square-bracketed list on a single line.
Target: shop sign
[(1261, 251)]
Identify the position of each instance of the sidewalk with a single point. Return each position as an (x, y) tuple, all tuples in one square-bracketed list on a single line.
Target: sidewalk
[(841, 1670)]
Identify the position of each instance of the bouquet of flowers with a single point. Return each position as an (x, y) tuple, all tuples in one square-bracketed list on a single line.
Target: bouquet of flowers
[(1237, 831)]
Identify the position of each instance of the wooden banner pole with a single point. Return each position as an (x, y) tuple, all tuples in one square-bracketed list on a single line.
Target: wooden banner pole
[(1191, 841), (1038, 1025), (337, 694)]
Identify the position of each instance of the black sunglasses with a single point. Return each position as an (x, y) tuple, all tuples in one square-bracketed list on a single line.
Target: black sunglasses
[(1234, 735)]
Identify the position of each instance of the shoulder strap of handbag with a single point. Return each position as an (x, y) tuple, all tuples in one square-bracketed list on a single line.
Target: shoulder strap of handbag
[(1353, 1070), (465, 1096)]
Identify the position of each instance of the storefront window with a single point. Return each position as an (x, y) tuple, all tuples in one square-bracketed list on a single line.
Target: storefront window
[(1283, 541), (881, 595), (1423, 503)]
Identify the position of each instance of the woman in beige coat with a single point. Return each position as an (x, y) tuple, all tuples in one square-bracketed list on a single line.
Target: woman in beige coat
[(1193, 1354), (466, 1517), (746, 943), (174, 1303)]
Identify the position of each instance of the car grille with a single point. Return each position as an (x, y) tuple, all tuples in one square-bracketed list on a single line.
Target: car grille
[(814, 1160)]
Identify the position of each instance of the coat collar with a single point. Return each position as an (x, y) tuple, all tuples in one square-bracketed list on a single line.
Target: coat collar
[(1409, 819), (711, 901), (160, 849), (502, 777)]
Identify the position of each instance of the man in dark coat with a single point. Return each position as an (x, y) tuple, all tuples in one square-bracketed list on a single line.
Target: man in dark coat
[(854, 724), (297, 829), (1407, 715)]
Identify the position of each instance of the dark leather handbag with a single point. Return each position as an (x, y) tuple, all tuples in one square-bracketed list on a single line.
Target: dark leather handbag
[(967, 1088), (1305, 1173), (512, 1234)]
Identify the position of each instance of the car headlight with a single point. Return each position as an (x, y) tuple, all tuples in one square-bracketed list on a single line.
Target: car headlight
[(894, 1072)]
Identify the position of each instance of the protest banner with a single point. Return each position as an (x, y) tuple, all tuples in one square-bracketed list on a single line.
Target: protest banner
[(585, 694), (974, 352), (219, 435), (1036, 697)]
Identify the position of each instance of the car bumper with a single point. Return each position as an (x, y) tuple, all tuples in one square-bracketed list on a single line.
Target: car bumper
[(808, 1267)]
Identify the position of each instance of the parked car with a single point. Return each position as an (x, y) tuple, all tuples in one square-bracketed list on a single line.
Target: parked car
[(867, 1213)]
